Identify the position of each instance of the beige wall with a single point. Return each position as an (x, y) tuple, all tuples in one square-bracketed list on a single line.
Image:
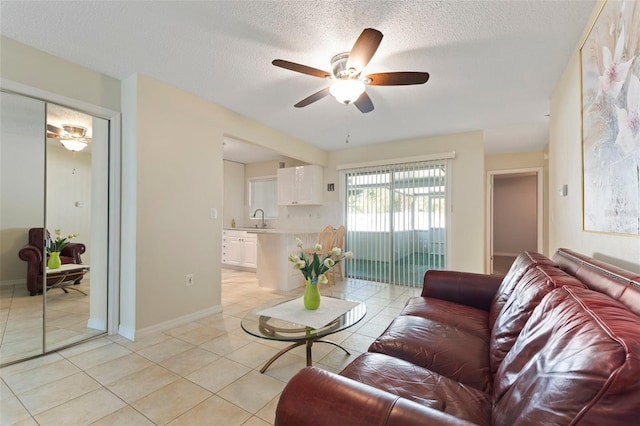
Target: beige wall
[(526, 160), (174, 178), (467, 219), (34, 68), (515, 160), (240, 127), (565, 167), (233, 194), (179, 179)]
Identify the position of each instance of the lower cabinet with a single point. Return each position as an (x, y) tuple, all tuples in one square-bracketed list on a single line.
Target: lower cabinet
[(239, 249), (250, 255)]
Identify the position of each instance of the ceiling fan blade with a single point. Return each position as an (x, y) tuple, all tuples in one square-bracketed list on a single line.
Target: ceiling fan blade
[(402, 78), (300, 68), (55, 130), (363, 103), (364, 48), (311, 99)]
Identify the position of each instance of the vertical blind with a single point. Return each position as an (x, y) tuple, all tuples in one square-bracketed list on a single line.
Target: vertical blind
[(396, 221)]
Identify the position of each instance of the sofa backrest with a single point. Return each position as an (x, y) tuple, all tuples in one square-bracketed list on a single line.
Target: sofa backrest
[(37, 237), (520, 266), (526, 295), (577, 360), (617, 283)]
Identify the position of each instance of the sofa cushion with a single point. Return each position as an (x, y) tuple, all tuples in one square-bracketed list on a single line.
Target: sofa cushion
[(520, 266), (452, 352), (420, 385), (576, 361), (527, 293), (464, 317)]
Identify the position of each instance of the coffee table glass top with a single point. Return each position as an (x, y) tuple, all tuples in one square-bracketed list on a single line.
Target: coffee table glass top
[(270, 328)]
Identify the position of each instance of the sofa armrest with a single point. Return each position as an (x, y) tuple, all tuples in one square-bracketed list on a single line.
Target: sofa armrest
[(74, 250), (466, 288), (30, 253), (314, 397)]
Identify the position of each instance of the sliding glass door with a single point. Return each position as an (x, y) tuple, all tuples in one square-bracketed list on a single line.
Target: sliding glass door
[(396, 225)]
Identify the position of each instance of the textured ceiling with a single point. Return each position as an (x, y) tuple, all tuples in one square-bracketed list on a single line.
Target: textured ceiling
[(493, 64)]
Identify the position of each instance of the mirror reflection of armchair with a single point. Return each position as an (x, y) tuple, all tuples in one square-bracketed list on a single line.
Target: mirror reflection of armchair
[(32, 253)]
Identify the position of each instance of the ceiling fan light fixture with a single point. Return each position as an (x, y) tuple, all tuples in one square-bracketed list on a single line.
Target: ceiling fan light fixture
[(347, 91), (73, 144)]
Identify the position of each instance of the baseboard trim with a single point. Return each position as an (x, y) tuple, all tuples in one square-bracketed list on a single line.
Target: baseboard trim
[(97, 324), (505, 254), (175, 322), (238, 268), (127, 332), (12, 282)]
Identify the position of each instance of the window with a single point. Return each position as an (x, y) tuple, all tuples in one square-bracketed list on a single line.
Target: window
[(263, 194)]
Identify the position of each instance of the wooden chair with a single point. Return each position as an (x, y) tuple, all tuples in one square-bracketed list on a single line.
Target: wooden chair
[(327, 240)]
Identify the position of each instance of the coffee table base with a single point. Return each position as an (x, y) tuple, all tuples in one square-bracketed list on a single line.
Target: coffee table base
[(309, 344)]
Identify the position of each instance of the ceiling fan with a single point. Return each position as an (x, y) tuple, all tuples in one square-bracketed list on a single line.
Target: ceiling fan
[(70, 136), (347, 82)]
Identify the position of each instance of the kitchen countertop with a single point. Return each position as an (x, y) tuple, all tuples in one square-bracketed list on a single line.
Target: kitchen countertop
[(281, 231), (274, 245)]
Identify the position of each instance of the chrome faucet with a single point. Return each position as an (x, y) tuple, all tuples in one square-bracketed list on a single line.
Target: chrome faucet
[(262, 224)]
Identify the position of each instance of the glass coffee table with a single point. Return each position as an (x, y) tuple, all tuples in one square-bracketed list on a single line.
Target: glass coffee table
[(270, 328)]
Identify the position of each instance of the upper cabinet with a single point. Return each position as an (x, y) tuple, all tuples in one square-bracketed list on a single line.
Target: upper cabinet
[(300, 185)]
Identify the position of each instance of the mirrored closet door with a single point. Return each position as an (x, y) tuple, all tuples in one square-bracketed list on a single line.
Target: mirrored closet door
[(55, 186)]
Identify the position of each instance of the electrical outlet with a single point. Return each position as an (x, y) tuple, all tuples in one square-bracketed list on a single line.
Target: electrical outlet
[(189, 280)]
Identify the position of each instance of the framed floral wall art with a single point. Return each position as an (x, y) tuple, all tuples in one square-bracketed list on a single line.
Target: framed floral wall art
[(610, 60)]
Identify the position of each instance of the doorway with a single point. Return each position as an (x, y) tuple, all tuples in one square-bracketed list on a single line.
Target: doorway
[(514, 216)]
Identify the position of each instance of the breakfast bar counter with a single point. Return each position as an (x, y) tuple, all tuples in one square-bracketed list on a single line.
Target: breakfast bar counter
[(274, 270)]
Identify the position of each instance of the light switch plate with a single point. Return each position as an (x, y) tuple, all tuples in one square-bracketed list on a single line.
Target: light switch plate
[(564, 190), (214, 213)]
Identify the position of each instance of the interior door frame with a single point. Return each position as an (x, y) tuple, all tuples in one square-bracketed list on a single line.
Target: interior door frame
[(538, 171), (114, 117)]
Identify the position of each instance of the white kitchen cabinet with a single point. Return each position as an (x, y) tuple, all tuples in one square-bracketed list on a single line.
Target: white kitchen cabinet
[(300, 185), (250, 259), (239, 249)]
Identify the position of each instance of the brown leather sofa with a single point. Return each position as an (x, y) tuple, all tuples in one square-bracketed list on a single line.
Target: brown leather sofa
[(553, 342), (32, 254)]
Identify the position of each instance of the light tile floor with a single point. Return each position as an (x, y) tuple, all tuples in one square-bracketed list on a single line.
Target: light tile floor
[(21, 320), (202, 373)]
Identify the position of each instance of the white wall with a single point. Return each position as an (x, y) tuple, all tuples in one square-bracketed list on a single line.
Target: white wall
[(565, 167), (467, 197), (515, 227)]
